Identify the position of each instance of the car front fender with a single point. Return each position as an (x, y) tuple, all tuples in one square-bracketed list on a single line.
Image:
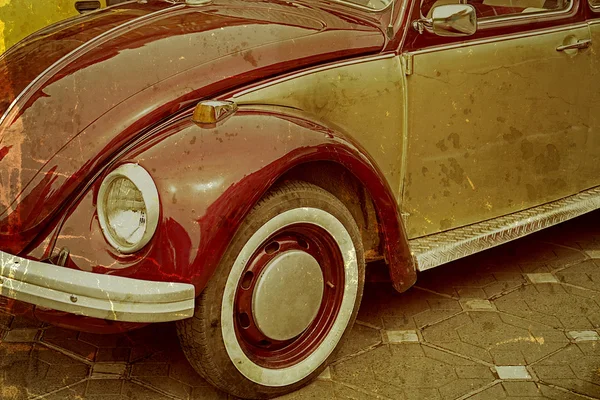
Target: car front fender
[(209, 178)]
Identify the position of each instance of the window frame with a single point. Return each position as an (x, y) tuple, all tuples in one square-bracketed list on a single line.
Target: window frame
[(512, 17)]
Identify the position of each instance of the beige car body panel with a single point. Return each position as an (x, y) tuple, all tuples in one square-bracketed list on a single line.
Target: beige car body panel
[(365, 98), (505, 128)]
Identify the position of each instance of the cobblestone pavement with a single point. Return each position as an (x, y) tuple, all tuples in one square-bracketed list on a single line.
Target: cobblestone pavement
[(517, 322)]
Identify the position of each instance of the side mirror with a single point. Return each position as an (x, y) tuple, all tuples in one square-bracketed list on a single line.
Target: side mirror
[(449, 20)]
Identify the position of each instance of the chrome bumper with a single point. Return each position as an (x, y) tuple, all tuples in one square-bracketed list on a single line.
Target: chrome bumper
[(94, 295)]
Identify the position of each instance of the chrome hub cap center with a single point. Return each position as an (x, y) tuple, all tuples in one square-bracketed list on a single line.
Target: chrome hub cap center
[(288, 295)]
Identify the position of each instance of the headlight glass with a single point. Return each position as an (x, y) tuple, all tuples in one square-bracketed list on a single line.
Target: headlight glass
[(125, 212), (128, 208)]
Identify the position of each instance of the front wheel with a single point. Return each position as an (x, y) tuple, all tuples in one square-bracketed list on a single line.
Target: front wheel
[(286, 292)]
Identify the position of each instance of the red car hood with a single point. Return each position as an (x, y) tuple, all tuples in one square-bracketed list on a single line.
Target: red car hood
[(75, 93)]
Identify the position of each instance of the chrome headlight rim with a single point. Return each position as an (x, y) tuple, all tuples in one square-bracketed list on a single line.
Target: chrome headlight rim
[(145, 184)]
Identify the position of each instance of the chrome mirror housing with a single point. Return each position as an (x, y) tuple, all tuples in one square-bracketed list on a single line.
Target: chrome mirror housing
[(449, 20)]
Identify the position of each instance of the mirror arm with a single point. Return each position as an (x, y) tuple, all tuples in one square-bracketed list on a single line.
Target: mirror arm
[(421, 24)]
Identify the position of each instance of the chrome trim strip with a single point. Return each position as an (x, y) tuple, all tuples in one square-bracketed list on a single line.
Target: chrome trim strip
[(108, 297), (434, 250), (311, 71), (499, 38), (84, 48)]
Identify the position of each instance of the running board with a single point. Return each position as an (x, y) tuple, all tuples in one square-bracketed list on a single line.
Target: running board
[(440, 248)]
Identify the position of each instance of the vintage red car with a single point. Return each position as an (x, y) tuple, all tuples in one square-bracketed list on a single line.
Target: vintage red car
[(233, 165)]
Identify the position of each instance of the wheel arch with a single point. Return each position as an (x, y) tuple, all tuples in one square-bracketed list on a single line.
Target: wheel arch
[(379, 228)]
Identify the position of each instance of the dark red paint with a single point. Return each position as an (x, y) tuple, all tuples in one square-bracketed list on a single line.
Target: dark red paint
[(125, 79), (112, 100)]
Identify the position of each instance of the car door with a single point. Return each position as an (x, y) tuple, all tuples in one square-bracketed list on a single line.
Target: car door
[(594, 81), (498, 121)]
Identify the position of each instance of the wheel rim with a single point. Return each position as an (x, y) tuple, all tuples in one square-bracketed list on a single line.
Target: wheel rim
[(289, 295), (314, 249)]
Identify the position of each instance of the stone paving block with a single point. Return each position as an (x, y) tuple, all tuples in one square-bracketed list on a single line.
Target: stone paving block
[(592, 253), (478, 305), (5, 319), (552, 305), (104, 387), (68, 340), (394, 337), (542, 278), (109, 370), (316, 390), (512, 372), (14, 353), (521, 389), (343, 392), (134, 391), (167, 385), (585, 274), (115, 354), (21, 335), (360, 338), (208, 392), (583, 336), (574, 368), (325, 375), (77, 392), (150, 369)]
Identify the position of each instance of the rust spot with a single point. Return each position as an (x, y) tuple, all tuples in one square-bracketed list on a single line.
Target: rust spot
[(445, 224), (441, 145), (526, 149), (547, 161), (455, 173), (513, 135), (250, 58), (455, 139)]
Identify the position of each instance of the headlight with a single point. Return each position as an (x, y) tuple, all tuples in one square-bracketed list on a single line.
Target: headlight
[(128, 208)]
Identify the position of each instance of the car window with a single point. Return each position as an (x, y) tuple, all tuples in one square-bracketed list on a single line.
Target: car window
[(504, 8)]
